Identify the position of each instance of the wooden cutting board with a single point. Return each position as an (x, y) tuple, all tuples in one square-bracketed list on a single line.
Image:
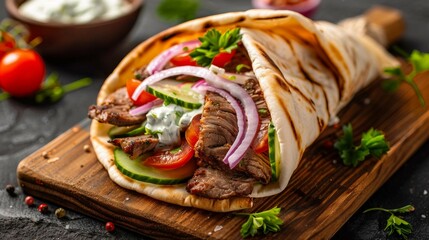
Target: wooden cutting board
[(321, 196)]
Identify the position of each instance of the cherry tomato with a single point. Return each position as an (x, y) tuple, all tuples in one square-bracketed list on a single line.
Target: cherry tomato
[(7, 43), (171, 159), (22, 72), (193, 131), (261, 145), (144, 98), (183, 60), (222, 58)]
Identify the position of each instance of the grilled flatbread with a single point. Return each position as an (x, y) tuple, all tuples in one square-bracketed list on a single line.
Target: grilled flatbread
[(308, 71)]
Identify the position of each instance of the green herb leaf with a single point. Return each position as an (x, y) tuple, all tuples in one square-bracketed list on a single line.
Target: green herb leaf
[(241, 67), (398, 225), (419, 60), (420, 63), (391, 85), (267, 221), (372, 143), (213, 43), (178, 10), (395, 223)]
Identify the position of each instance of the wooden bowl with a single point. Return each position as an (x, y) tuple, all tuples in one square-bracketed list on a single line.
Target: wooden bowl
[(62, 40)]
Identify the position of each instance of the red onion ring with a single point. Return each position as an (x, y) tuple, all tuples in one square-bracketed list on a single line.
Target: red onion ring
[(306, 8), (162, 59), (145, 107), (233, 156)]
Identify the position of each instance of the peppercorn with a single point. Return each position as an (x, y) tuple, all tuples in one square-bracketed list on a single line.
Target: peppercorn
[(86, 148), (43, 208), (10, 190), (110, 227), (60, 213), (29, 200), (45, 155)]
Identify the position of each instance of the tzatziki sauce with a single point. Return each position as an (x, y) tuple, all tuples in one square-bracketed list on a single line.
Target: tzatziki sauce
[(167, 121), (73, 11)]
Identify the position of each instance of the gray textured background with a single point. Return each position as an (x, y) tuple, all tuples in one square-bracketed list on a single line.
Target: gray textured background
[(25, 128)]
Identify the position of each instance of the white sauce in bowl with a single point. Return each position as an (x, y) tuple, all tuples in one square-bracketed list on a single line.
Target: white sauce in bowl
[(73, 11)]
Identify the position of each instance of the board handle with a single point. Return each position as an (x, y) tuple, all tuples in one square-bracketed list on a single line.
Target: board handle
[(384, 24)]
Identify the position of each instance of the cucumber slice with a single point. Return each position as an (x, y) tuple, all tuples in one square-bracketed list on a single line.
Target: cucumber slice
[(274, 152), (179, 93), (135, 169), (117, 132)]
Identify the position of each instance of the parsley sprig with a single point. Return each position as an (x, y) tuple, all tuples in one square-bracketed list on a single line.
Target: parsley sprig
[(178, 10), (372, 143), (267, 221), (395, 223), (213, 43), (420, 63)]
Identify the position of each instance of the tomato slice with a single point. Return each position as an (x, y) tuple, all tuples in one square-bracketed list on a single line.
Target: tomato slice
[(171, 159), (144, 98), (262, 145), (183, 60), (193, 131), (222, 58)]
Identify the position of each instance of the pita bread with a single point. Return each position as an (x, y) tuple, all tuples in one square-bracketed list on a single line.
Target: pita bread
[(308, 71)]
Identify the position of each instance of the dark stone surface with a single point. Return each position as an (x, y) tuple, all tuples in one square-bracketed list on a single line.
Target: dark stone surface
[(25, 128)]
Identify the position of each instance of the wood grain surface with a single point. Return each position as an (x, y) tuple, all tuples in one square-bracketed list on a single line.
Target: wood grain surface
[(321, 196)]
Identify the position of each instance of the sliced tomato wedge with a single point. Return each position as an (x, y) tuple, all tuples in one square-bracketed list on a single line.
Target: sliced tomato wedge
[(262, 145), (144, 98), (171, 159), (183, 60), (193, 131), (222, 58)]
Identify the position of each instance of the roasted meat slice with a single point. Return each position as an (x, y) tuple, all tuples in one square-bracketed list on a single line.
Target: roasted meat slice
[(254, 90), (213, 183), (137, 145), (115, 110), (218, 132)]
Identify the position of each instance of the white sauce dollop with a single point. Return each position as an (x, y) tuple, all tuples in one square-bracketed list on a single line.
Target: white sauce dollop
[(168, 121), (73, 11)]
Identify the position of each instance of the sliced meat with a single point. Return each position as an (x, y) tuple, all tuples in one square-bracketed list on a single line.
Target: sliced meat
[(141, 73), (218, 132), (254, 90), (115, 110), (218, 129), (212, 183), (136, 146), (256, 166)]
